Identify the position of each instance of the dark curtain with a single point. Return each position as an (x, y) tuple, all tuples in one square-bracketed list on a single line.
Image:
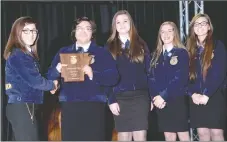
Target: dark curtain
[(55, 22)]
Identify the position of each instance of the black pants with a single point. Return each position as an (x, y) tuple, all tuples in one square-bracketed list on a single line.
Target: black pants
[(20, 119), (83, 121)]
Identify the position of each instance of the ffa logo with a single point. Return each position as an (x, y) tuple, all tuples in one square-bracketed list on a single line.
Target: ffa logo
[(174, 60), (212, 55), (73, 59), (8, 86)]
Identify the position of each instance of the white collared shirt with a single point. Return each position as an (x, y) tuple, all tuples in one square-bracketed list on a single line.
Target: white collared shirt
[(124, 39), (169, 48), (85, 46)]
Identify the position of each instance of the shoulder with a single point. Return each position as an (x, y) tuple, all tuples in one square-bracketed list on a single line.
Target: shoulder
[(180, 51), (19, 58), (219, 46), (106, 46), (17, 55), (98, 48), (66, 48), (219, 51)]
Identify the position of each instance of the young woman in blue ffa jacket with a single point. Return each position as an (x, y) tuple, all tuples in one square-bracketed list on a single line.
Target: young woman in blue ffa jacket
[(23, 83), (129, 99), (83, 103), (207, 80), (168, 80)]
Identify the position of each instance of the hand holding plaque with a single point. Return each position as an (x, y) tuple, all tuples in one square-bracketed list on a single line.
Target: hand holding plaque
[(75, 62)]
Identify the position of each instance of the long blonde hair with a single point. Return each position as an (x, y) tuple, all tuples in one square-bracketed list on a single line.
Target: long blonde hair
[(192, 47), (176, 42), (137, 45)]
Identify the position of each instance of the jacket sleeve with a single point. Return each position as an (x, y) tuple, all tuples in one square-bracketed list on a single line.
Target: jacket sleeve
[(193, 87), (180, 79), (147, 60), (52, 71), (25, 67), (217, 72), (108, 75), (152, 83), (111, 95)]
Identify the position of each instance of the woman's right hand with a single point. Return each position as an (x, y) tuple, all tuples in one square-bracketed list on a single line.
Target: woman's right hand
[(115, 109)]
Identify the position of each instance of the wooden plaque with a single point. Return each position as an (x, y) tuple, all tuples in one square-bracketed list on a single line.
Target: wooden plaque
[(75, 62)]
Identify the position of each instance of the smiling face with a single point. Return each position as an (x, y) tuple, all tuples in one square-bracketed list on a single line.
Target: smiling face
[(167, 33), (29, 34), (201, 26), (122, 24)]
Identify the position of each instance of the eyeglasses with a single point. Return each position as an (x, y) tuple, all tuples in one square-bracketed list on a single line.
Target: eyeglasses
[(88, 29), (204, 23), (27, 31)]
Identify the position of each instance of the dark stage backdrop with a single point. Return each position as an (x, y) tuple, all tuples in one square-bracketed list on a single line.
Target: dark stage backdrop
[(55, 21)]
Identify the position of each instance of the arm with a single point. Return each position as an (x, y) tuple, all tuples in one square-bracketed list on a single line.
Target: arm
[(180, 79), (193, 87), (217, 72), (25, 68), (111, 95), (52, 71), (153, 85), (147, 59), (108, 75)]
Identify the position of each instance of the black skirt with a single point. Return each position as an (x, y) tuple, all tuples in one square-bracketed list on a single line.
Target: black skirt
[(83, 121), (211, 115), (134, 110), (174, 116)]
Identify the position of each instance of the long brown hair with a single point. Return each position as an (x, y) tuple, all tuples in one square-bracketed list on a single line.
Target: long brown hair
[(15, 40), (176, 42), (192, 47), (137, 47)]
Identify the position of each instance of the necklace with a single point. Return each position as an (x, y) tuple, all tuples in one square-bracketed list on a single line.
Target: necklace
[(31, 113)]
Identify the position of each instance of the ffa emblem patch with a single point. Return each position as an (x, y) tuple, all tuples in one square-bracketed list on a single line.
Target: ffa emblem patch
[(174, 60), (8, 86)]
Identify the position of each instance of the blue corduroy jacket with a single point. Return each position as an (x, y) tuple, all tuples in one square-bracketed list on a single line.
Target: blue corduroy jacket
[(133, 76), (104, 74), (216, 74), (23, 81), (170, 77)]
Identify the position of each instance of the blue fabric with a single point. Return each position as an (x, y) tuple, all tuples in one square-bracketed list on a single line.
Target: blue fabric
[(133, 76), (23, 81), (216, 74), (104, 74), (170, 80)]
